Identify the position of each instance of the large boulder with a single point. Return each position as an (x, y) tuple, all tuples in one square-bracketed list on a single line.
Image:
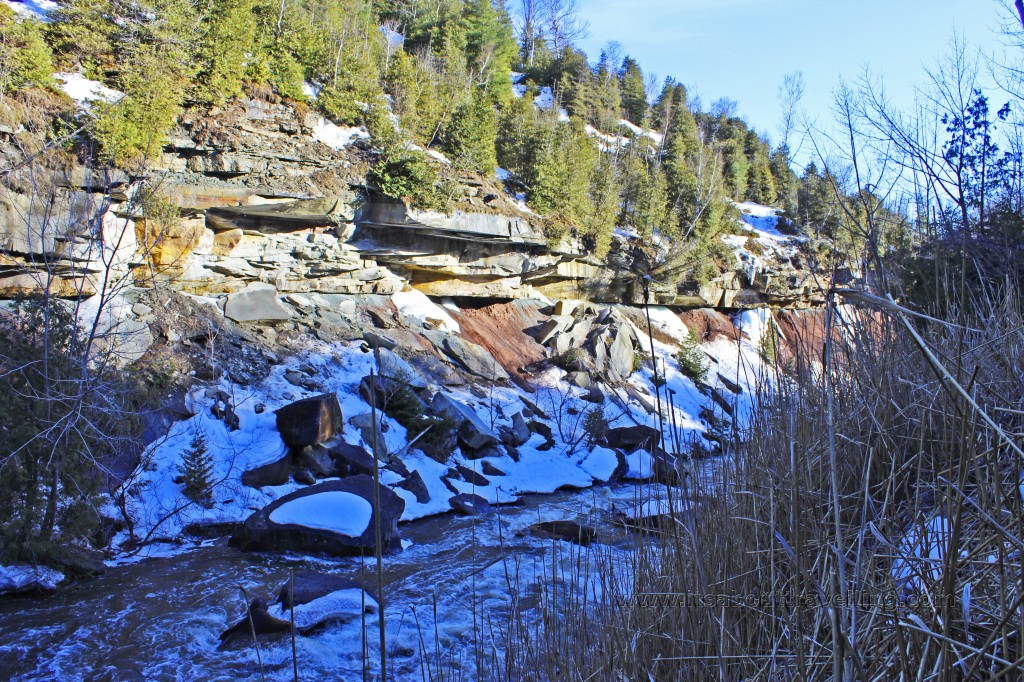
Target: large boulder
[(415, 484), (620, 354), (310, 421), (20, 578), (555, 325), (475, 359), (350, 460), (468, 504), (256, 619), (272, 473), (471, 430), (339, 605), (632, 438), (336, 518), (310, 585), (570, 531), (394, 367), (256, 303)]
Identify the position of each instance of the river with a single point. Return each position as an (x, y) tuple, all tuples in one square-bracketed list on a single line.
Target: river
[(160, 618)]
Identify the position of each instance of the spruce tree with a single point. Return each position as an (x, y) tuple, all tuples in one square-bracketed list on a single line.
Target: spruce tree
[(634, 92), (197, 471)]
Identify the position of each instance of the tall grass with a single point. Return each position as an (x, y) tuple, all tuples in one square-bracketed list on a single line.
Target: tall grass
[(870, 527)]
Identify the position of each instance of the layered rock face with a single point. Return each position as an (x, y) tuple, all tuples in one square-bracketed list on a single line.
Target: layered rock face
[(269, 194)]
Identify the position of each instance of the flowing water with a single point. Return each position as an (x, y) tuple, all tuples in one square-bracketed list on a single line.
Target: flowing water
[(160, 619)]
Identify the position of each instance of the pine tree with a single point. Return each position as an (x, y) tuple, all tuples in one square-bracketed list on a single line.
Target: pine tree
[(230, 36), (634, 92), (25, 59), (197, 470)]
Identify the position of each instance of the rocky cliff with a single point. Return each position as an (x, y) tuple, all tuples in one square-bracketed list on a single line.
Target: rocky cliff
[(273, 194)]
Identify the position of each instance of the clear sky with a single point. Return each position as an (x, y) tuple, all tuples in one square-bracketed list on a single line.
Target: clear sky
[(741, 49)]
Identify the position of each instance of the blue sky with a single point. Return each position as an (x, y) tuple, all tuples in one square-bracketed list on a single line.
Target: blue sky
[(741, 49)]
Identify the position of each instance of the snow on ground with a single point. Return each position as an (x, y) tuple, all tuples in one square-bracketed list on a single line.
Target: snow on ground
[(502, 174), (654, 136), (417, 305), (17, 578), (309, 90), (755, 323), (335, 511), (762, 219), (393, 38), (546, 98), (33, 9), (85, 91), (639, 466), (160, 512), (434, 154), (921, 553), (771, 245), (337, 137)]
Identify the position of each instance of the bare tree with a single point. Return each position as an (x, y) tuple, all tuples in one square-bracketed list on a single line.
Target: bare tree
[(564, 25), (791, 92)]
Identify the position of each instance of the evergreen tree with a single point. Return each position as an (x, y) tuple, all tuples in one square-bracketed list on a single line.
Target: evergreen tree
[(197, 471), (634, 92), (25, 59), (469, 137), (224, 50)]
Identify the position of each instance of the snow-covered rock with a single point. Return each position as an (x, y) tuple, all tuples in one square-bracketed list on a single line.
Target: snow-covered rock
[(21, 578)]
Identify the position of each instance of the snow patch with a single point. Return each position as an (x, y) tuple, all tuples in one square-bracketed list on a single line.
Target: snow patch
[(921, 552), (755, 323), (33, 9), (335, 511), (416, 305), (85, 91), (337, 137)]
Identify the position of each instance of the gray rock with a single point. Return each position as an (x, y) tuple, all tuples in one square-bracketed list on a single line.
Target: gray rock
[(414, 484), (555, 325), (580, 379), (472, 431), (593, 395), (631, 438), (261, 533), (378, 340), (256, 303), (469, 505), (472, 476), (310, 421), (141, 310), (432, 366), (317, 459), (474, 358), (273, 473), (350, 460), (562, 343), (303, 476), (394, 367), (569, 531), (520, 429), (257, 618), (310, 585), (488, 469), (367, 426), (545, 432), (565, 307), (620, 355)]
